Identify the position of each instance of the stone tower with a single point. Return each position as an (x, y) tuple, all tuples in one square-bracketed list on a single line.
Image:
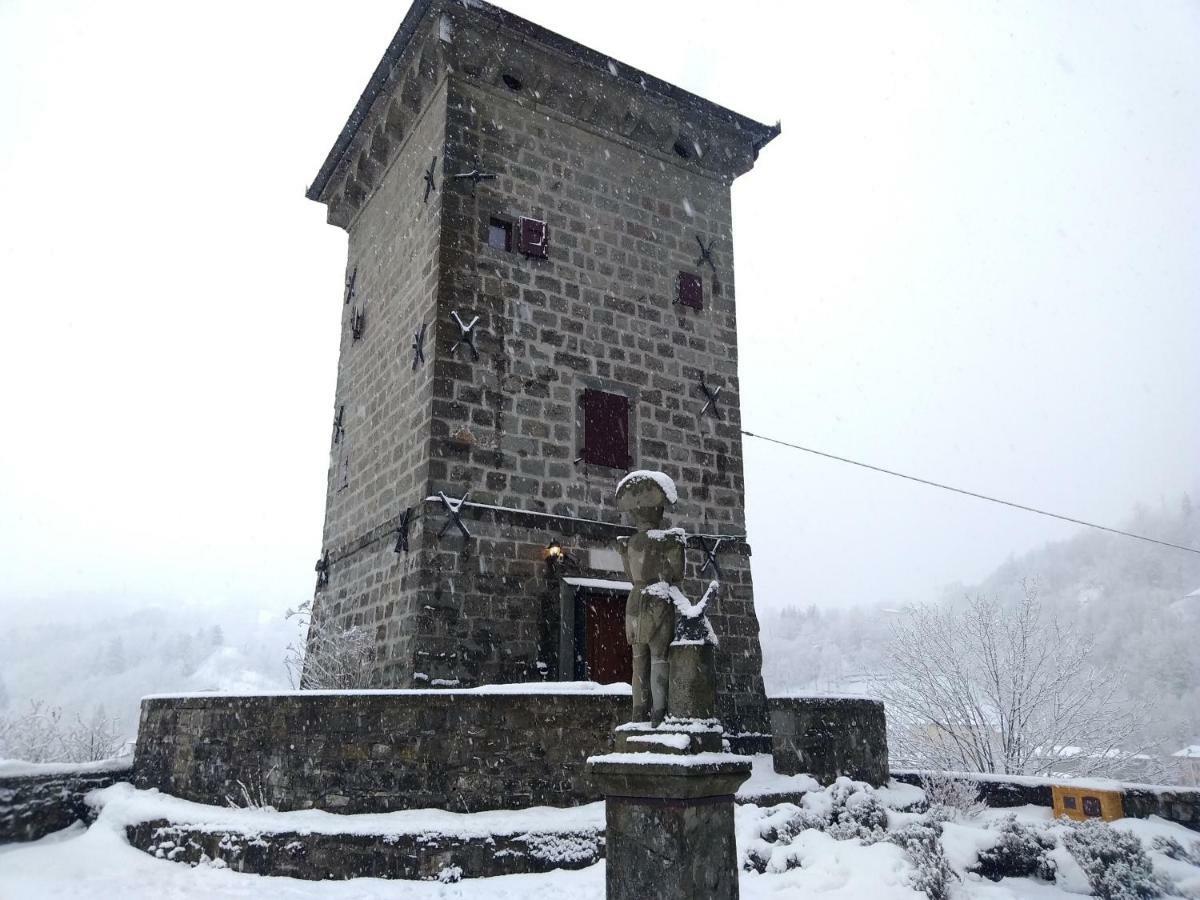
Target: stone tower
[(539, 297)]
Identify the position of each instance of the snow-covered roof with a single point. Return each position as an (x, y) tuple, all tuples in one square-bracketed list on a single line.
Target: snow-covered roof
[(1190, 752)]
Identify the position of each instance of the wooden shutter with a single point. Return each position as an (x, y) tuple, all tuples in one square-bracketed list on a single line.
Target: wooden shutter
[(531, 237), (690, 291), (605, 429)]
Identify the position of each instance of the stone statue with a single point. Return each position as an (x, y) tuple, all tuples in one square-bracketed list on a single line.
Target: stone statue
[(652, 557)]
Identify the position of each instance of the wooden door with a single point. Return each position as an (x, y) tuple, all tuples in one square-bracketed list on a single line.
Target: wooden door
[(606, 651)]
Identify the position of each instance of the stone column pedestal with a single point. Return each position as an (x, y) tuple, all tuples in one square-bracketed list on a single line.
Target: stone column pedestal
[(669, 824)]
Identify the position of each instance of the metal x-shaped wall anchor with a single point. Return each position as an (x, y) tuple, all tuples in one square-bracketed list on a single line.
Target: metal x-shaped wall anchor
[(711, 399), (418, 346), (402, 531), (475, 175), (430, 184), (454, 514), (706, 254), (710, 555), (350, 279), (338, 430), (466, 335), (323, 570)]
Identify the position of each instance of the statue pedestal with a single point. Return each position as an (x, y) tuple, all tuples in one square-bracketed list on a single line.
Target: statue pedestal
[(675, 736), (669, 824)]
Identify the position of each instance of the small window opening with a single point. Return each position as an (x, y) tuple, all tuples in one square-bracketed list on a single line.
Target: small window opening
[(1091, 807), (689, 291), (512, 82), (500, 234), (681, 149), (1068, 802)]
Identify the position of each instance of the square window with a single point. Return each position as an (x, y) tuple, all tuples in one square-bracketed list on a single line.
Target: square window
[(532, 237), (605, 429), (690, 291), (1091, 807), (1068, 802), (500, 234)]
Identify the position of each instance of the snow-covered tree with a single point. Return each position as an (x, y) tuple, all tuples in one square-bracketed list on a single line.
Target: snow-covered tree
[(1006, 688), (33, 735), (40, 734), (100, 736), (327, 656)]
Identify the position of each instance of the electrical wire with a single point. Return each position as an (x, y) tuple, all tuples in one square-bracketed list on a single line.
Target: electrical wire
[(956, 490)]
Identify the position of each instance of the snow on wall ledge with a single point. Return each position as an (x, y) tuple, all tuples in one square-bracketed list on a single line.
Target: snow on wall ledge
[(504, 747), (39, 798)]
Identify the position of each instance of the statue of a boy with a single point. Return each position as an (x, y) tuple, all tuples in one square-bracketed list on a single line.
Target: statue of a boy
[(652, 555)]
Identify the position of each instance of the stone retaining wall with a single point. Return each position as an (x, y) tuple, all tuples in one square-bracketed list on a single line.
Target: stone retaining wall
[(1181, 805), (376, 751), (35, 803), (319, 857), (827, 737)]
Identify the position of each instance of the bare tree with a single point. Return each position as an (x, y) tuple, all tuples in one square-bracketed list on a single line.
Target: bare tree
[(996, 688), (326, 656)]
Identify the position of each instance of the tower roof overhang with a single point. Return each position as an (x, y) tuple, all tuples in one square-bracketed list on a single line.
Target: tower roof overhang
[(758, 133)]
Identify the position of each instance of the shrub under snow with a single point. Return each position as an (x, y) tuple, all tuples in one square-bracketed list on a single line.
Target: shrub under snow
[(785, 837), (922, 844), (1115, 863), (1022, 851)]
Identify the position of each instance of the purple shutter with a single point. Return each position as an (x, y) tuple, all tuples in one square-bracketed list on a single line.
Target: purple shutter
[(691, 290), (605, 429), (532, 237)]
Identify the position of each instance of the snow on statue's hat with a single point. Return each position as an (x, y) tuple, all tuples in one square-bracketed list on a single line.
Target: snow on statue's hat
[(631, 490)]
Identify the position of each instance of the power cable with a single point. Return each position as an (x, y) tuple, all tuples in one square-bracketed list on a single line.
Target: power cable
[(956, 490)]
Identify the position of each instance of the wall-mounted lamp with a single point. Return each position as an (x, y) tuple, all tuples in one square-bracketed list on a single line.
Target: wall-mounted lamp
[(555, 555)]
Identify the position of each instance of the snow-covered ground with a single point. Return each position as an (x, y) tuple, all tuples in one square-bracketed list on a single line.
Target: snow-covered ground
[(841, 843)]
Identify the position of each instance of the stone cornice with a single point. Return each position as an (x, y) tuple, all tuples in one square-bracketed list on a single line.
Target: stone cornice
[(489, 46)]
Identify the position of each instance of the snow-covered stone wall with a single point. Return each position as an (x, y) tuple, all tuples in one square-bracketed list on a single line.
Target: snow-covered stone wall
[(36, 799), (828, 737), (378, 751)]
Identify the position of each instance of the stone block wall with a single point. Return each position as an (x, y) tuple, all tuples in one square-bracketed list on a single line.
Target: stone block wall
[(322, 857), (35, 803), (377, 751), (1139, 801), (827, 737), (599, 312), (379, 455)]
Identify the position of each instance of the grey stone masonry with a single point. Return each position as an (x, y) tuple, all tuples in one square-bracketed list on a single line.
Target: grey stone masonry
[(827, 737), (669, 824), (631, 177), (426, 856), (377, 751)]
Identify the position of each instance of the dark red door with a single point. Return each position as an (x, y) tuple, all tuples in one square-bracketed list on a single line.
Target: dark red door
[(607, 651)]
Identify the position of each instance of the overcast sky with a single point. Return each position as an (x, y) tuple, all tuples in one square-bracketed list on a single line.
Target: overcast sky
[(973, 254)]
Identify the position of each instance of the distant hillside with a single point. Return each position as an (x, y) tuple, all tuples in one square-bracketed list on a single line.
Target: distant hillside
[(85, 659), (1133, 596)]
